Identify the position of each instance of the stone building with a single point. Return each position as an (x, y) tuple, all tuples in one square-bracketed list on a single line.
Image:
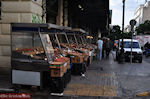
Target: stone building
[(12, 11)]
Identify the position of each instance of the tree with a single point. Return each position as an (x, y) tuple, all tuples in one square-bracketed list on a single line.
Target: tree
[(143, 28), (127, 35), (115, 33)]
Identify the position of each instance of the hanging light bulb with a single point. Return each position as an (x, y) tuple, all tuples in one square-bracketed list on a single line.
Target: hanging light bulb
[(80, 6)]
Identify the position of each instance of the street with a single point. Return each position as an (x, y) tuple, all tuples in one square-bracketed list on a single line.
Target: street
[(104, 78)]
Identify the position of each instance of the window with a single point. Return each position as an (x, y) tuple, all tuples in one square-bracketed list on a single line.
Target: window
[(128, 45), (0, 9)]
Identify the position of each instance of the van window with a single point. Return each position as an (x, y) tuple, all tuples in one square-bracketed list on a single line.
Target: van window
[(128, 45)]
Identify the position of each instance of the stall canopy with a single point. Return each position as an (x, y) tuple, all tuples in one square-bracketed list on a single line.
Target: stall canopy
[(33, 27)]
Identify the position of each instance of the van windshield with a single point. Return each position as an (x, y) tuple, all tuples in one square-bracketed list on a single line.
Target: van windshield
[(128, 45)]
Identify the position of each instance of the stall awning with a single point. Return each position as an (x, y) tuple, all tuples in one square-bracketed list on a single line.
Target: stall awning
[(35, 27)]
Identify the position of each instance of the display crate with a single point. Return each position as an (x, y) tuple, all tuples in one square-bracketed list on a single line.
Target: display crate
[(76, 59), (57, 69)]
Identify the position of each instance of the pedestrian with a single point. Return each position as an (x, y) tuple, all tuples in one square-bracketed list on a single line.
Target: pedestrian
[(99, 48), (108, 47), (104, 47), (147, 45)]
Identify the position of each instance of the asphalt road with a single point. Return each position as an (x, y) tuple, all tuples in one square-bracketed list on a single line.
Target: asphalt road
[(146, 59), (134, 78)]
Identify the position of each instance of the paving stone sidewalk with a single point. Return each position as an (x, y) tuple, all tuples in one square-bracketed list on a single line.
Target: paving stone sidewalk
[(97, 82)]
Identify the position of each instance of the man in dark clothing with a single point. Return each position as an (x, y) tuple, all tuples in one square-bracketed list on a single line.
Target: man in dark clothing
[(147, 45), (108, 47), (104, 48)]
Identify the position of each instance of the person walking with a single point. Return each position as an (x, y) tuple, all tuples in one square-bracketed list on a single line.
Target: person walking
[(100, 48), (108, 48), (147, 45), (104, 48)]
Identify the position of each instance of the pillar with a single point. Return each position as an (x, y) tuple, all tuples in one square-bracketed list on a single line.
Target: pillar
[(59, 20), (66, 13)]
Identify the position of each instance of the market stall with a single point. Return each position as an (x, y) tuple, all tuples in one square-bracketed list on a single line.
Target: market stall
[(78, 57), (68, 50), (93, 47), (34, 61), (84, 46)]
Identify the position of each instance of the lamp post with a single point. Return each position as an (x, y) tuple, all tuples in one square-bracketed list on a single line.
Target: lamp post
[(122, 47)]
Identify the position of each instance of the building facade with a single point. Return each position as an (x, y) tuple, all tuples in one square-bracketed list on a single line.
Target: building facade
[(142, 13), (20, 11), (127, 28)]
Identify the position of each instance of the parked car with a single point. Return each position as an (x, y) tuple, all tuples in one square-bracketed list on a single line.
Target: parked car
[(136, 50)]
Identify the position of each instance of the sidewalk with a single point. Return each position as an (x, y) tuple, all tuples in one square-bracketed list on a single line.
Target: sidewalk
[(97, 82)]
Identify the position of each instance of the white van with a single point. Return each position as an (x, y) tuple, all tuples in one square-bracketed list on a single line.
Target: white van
[(136, 50)]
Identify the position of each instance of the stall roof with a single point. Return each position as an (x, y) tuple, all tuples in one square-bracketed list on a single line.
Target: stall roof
[(36, 27), (66, 28), (78, 30)]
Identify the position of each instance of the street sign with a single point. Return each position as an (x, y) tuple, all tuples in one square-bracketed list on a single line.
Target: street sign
[(132, 23)]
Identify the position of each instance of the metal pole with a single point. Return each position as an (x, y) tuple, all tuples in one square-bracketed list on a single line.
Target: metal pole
[(131, 46), (122, 47), (58, 41), (131, 43), (67, 38), (123, 18), (76, 39), (82, 39)]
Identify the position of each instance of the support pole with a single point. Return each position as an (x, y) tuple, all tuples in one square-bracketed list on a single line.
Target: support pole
[(60, 13), (122, 47)]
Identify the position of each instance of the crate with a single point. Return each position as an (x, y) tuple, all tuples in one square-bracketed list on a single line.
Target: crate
[(77, 59), (57, 84), (57, 69), (68, 64), (67, 61)]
